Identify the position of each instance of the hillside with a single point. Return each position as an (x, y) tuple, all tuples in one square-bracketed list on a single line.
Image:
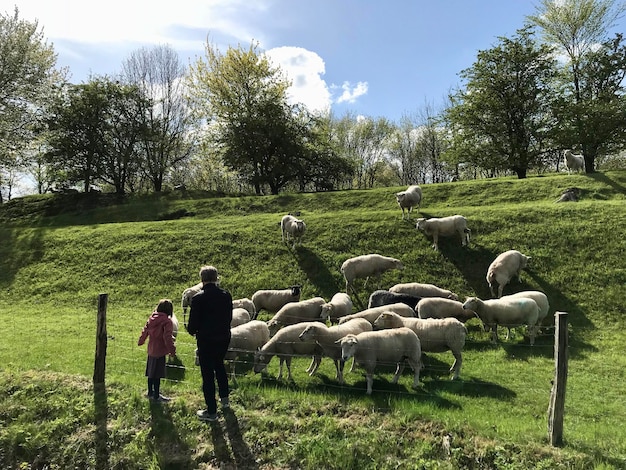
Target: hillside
[(59, 252)]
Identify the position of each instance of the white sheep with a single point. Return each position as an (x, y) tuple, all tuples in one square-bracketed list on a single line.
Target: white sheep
[(540, 299), (423, 290), (371, 314), (285, 344), (340, 305), (436, 335), (240, 316), (188, 293), (296, 312), (246, 339), (365, 266), (445, 227), (273, 299), (408, 199), (327, 338), (247, 304), (372, 348), (511, 312), (573, 162), (437, 307), (506, 266), (292, 229)]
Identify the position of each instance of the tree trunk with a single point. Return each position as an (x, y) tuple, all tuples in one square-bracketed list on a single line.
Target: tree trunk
[(521, 173)]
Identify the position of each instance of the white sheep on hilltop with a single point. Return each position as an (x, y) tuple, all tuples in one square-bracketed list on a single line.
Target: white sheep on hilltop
[(246, 338), (408, 199), (573, 162), (423, 290), (506, 266), (437, 307), (273, 299), (285, 344), (436, 335), (371, 314), (292, 229), (296, 312), (507, 312), (445, 227), (365, 266), (327, 337), (373, 348), (340, 305), (188, 293)]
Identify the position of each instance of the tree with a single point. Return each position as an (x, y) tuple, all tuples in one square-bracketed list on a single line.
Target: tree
[(159, 75), (28, 80), (503, 116), (578, 26)]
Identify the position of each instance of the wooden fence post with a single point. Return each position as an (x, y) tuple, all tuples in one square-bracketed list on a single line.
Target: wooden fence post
[(101, 341), (556, 409)]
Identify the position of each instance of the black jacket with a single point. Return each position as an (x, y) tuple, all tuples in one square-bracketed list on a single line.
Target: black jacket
[(211, 313)]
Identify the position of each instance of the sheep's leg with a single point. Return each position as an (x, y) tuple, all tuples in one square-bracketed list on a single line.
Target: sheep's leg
[(435, 242), (456, 367), (339, 364), (315, 363), (493, 293), (369, 378), (416, 365), (399, 370), (494, 334), (500, 289), (280, 368), (352, 366), (288, 362)]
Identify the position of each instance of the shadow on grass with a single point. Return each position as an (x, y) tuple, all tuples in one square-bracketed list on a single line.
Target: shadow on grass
[(101, 411), (601, 177), (172, 452), (239, 455), (316, 271)]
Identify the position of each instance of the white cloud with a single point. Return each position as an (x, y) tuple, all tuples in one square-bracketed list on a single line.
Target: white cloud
[(352, 92), (305, 69)]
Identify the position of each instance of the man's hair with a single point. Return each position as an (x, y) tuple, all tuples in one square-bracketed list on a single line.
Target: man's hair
[(165, 306), (209, 274)]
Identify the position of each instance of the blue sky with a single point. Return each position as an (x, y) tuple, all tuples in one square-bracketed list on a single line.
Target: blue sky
[(379, 58)]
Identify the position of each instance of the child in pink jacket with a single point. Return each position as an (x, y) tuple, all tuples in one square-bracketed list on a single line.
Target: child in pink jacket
[(159, 328)]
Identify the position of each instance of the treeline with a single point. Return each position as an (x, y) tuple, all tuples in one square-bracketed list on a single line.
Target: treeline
[(225, 122)]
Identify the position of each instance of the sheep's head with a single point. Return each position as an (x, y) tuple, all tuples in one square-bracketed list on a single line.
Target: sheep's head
[(421, 223), (348, 346), (260, 361), (382, 321), (524, 262), (470, 304), (327, 310), (296, 290)]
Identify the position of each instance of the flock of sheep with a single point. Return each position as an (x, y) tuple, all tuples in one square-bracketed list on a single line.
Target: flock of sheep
[(398, 324)]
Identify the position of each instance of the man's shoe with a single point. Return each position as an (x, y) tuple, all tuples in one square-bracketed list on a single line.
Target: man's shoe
[(162, 399), (204, 415)]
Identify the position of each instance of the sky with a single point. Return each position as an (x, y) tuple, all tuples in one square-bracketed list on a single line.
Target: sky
[(377, 58)]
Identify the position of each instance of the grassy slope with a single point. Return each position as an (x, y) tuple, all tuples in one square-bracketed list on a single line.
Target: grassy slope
[(54, 267)]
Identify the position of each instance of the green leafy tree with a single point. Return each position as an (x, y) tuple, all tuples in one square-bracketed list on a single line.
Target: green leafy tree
[(502, 117)]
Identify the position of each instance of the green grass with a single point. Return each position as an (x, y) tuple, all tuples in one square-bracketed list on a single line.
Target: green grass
[(58, 254)]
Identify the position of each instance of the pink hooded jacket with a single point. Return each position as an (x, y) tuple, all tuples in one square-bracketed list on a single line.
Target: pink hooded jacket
[(159, 328)]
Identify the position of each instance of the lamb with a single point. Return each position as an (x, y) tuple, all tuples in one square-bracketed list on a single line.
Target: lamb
[(435, 335), (340, 305), (365, 266), (379, 298), (327, 339), (573, 162), (296, 312), (423, 290), (247, 304), (371, 348), (285, 344), (272, 300), (371, 314), (436, 307), (246, 338), (409, 198), (188, 293), (240, 316), (292, 228), (509, 312), (504, 268), (445, 227)]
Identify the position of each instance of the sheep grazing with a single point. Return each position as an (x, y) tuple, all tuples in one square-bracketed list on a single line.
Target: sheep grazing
[(507, 312), (246, 339), (285, 344), (445, 227), (371, 314), (372, 348), (436, 335), (247, 304), (188, 293), (296, 312), (573, 162), (504, 268), (340, 305), (436, 307), (423, 290), (408, 199), (365, 266), (272, 300), (379, 298), (327, 339), (292, 229), (240, 316), (540, 299)]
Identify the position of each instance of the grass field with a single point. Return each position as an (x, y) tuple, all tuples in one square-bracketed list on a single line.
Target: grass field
[(60, 252)]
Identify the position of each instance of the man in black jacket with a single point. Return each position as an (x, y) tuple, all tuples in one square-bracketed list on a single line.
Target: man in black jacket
[(209, 321)]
